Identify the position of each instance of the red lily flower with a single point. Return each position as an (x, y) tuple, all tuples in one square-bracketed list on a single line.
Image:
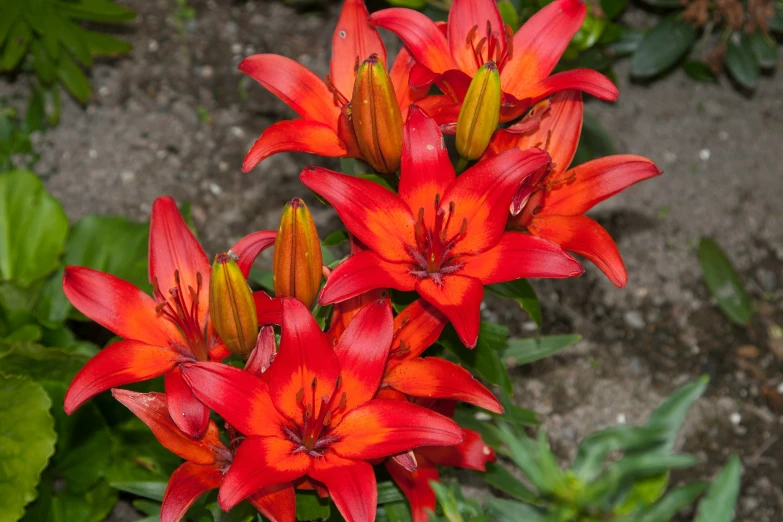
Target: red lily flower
[(475, 34), (159, 332), (207, 461), (555, 201), (317, 416), (324, 128), (443, 236)]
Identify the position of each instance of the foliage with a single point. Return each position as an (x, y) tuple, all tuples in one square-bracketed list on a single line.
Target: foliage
[(724, 283)]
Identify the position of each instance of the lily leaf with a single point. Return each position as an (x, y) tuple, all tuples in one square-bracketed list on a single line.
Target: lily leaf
[(484, 359), (724, 283), (519, 352), (741, 62), (523, 293), (309, 506), (662, 47), (718, 505)]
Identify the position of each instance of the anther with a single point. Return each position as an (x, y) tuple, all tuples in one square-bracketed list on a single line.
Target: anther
[(176, 276), (342, 400), (464, 228), (471, 35), (300, 395), (327, 418), (437, 200), (315, 382), (339, 381)]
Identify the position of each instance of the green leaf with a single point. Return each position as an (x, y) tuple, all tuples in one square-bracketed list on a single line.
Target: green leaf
[(594, 142), (670, 505), (73, 38), (56, 505), (99, 44), (28, 439), (9, 11), (776, 22), (309, 506), (699, 71), (643, 494), (509, 14), (613, 8), (502, 479), (626, 43), (33, 227), (41, 363), (18, 39), (662, 47), (484, 359), (519, 352), (721, 499), (397, 511), (44, 66), (587, 36), (389, 492), (598, 446), (512, 511), (741, 62), (765, 49), (724, 282), (412, 4), (670, 415), (635, 467), (73, 78), (663, 3), (95, 11), (335, 238), (522, 292)]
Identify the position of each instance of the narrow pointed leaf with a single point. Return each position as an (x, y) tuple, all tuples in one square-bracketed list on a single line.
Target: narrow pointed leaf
[(721, 499), (724, 282)]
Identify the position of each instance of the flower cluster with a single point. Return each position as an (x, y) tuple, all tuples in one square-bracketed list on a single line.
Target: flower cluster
[(311, 409)]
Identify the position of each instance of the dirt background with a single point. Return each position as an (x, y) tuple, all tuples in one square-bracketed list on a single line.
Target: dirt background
[(175, 117)]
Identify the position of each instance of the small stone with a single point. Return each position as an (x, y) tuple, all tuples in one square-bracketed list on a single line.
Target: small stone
[(92, 153), (236, 48), (127, 176), (223, 166), (723, 135), (735, 418), (215, 189), (238, 131), (704, 154), (669, 157), (621, 418), (153, 46), (634, 319), (104, 91), (207, 71)]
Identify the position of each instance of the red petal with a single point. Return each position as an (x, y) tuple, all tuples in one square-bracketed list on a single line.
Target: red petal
[(362, 351), (363, 272), (295, 136), (426, 169), (416, 487), (152, 409), (582, 235), (297, 86), (539, 44), (520, 255), (268, 309), (174, 249), (585, 80), (118, 306), (351, 485), (596, 181), (473, 453), (248, 248), (344, 311), (118, 364), (436, 378), (463, 16), (406, 459), (188, 413), (383, 427), (187, 483), (305, 358), (353, 42), (377, 216), (260, 462), (277, 503), (416, 328), (400, 74), (482, 195), (459, 299), (240, 397), (264, 352), (443, 109), (419, 34)]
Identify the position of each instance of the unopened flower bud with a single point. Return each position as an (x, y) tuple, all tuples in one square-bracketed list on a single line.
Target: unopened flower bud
[(297, 262), (480, 112), (231, 305), (377, 121)]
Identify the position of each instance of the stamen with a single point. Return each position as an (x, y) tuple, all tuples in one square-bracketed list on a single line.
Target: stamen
[(471, 35)]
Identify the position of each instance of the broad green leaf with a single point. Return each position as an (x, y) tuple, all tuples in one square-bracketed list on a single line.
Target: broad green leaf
[(397, 511), (309, 506), (594, 142), (33, 228), (41, 363), (765, 49), (56, 505), (662, 47), (740, 61), (138, 459), (699, 71), (73, 78), (721, 499), (502, 479), (613, 8), (14, 49), (27, 440), (96, 11), (669, 505), (509, 14), (724, 283), (587, 36), (99, 44), (335, 238), (389, 492), (519, 352), (484, 359), (522, 292), (626, 43)]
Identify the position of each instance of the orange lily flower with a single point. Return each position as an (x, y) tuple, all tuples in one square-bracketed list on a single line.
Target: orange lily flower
[(443, 236), (317, 416), (207, 461), (475, 34), (552, 204), (324, 127), (160, 332)]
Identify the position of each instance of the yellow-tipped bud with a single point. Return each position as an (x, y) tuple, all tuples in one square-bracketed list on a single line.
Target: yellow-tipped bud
[(480, 113), (297, 262), (231, 305), (377, 121)]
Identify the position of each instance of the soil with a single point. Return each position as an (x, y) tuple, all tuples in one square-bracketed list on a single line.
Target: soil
[(175, 117)]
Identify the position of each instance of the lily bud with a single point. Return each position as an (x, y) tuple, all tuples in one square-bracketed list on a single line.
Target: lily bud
[(231, 305), (480, 112), (377, 121), (297, 261)]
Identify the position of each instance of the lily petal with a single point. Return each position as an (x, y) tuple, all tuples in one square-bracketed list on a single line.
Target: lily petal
[(344, 311), (240, 397), (374, 214), (351, 485), (436, 378), (362, 351), (416, 328), (249, 247), (473, 453), (277, 503), (296, 85), (260, 462), (482, 196), (582, 235), (268, 309), (459, 299), (585, 80), (421, 36), (187, 483), (118, 306), (416, 487), (539, 44), (363, 272), (295, 136), (596, 181), (400, 74), (383, 427), (118, 364), (520, 255), (443, 109), (354, 40), (188, 413), (463, 16)]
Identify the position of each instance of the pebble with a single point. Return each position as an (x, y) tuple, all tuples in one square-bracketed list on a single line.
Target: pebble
[(215, 189), (92, 153), (735, 418), (634, 319), (621, 418), (153, 46), (127, 176), (704, 154)]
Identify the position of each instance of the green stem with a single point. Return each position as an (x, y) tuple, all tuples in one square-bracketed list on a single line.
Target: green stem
[(462, 164)]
